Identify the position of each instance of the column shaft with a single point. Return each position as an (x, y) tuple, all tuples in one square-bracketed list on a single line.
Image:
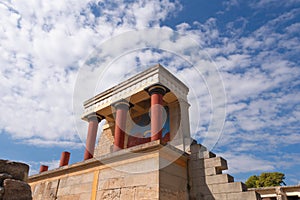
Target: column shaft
[(91, 136), (120, 127), (156, 116)]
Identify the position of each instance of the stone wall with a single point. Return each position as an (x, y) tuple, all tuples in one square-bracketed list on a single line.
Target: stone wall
[(134, 173), (106, 140), (148, 171), (13, 176), (207, 182)]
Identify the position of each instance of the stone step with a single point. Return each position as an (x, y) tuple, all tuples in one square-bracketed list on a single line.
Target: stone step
[(233, 187), (217, 162), (248, 195), (218, 179)]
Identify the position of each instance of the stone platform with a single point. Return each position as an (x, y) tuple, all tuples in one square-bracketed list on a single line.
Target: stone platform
[(147, 171)]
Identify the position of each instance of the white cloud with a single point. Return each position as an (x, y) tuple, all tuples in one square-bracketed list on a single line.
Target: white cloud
[(42, 45), (239, 163), (35, 166)]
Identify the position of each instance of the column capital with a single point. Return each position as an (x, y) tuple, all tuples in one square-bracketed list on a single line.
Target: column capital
[(157, 89), (94, 117), (122, 104)]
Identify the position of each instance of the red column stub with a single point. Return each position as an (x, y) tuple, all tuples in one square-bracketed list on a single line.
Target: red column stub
[(156, 92), (64, 158), (122, 108), (93, 120), (43, 168)]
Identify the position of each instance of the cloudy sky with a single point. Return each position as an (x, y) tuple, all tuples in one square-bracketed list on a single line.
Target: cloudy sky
[(239, 58)]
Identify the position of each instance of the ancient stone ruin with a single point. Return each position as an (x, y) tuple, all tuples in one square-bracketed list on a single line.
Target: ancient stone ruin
[(145, 150), (13, 177)]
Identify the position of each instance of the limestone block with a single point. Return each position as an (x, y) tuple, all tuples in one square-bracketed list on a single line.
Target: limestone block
[(111, 183), (147, 192), (172, 169), (70, 197), (50, 189), (17, 170), (249, 195), (202, 155), (206, 154), (110, 173), (73, 180), (109, 194), (228, 187), (85, 196), (127, 193), (82, 188), (218, 162), (221, 197), (172, 181), (141, 179), (196, 164), (16, 190), (216, 197), (87, 178), (195, 148), (212, 171), (220, 178), (64, 191)]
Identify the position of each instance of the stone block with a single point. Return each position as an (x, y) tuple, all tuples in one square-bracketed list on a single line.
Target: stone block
[(109, 194), (249, 195), (228, 187), (220, 178), (111, 183), (16, 190), (87, 178), (127, 193), (147, 192), (218, 162), (172, 181), (85, 196), (212, 171), (141, 179), (110, 173), (69, 197), (195, 148), (82, 188), (17, 170), (175, 169), (4, 176), (206, 155)]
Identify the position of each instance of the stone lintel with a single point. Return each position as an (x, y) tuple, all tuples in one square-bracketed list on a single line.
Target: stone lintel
[(134, 86)]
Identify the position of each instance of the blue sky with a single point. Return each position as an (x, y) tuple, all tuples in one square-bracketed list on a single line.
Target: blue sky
[(254, 45)]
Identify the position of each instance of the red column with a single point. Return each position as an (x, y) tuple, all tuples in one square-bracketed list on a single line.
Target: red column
[(122, 108), (43, 168), (64, 158), (156, 92), (93, 120)]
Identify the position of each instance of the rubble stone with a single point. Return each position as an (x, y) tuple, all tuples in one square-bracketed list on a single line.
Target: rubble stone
[(16, 190)]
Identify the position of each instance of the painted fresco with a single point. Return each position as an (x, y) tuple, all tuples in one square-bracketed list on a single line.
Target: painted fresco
[(140, 131)]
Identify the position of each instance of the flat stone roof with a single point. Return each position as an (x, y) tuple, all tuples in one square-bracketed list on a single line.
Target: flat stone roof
[(135, 85)]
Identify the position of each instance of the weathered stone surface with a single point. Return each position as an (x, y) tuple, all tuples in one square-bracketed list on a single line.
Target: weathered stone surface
[(17, 170), (109, 194), (16, 190), (1, 192), (4, 176)]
